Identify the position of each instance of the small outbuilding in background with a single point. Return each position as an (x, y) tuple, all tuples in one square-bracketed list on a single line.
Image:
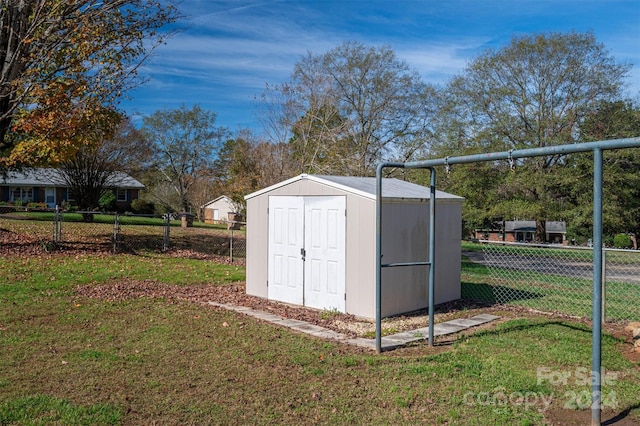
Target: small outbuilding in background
[(311, 241), (218, 210)]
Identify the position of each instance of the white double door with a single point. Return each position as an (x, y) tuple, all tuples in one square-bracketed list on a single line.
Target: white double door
[(307, 251)]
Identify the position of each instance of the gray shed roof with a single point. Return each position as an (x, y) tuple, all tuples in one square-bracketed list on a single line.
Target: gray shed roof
[(366, 186), (47, 177)]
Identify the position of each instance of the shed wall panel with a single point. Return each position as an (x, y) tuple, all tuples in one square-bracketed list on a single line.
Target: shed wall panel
[(224, 207), (258, 226), (361, 252), (257, 246), (405, 238)]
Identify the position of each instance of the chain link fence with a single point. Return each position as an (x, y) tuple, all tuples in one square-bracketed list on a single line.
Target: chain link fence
[(557, 279), (30, 232)]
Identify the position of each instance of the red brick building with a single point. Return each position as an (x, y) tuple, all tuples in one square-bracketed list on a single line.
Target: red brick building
[(524, 231)]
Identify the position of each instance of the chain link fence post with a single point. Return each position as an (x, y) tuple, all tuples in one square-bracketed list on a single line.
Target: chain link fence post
[(117, 234), (55, 226), (604, 284), (231, 246), (167, 227)]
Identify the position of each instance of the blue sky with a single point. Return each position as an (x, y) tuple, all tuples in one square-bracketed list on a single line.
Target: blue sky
[(228, 50)]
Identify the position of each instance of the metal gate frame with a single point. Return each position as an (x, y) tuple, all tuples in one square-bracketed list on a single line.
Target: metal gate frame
[(597, 148)]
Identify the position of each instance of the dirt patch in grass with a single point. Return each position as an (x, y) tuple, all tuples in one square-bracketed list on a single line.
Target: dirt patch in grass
[(565, 417), (235, 294)]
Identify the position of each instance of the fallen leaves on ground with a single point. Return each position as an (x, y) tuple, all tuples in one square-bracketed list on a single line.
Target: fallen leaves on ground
[(233, 294)]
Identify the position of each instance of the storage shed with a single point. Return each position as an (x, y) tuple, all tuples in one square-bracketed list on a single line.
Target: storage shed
[(217, 211), (311, 241)]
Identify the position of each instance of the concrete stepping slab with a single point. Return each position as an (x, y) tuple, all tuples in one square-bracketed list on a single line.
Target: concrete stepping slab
[(388, 342)]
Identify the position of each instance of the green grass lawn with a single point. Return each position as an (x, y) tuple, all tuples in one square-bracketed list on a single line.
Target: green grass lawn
[(67, 360), (547, 292), (125, 219), (581, 253)]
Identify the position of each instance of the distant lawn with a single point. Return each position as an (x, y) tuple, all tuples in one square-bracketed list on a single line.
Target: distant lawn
[(71, 360), (109, 218), (582, 253)]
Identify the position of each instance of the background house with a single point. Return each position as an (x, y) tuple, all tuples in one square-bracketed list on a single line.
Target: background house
[(217, 211), (46, 185), (524, 231), (311, 241)]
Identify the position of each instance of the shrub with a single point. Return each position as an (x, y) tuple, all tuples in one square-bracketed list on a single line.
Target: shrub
[(107, 201), (141, 206), (37, 206), (622, 241)]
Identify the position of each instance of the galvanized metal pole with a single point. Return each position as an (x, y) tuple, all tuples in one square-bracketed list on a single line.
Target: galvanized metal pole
[(231, 246), (432, 251), (167, 229), (523, 153), (55, 227), (596, 348), (604, 285), (595, 147), (379, 258)]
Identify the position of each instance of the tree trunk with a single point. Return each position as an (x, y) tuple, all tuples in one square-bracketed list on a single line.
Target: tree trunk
[(541, 230)]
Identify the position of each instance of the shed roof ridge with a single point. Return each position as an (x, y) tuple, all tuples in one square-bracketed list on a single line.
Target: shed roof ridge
[(364, 186)]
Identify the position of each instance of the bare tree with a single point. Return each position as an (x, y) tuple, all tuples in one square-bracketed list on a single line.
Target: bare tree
[(103, 164), (354, 106)]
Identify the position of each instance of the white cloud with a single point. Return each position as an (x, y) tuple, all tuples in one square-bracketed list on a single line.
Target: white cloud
[(230, 49)]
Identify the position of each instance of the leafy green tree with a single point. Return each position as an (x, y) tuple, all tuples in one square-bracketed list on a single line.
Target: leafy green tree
[(621, 192), (236, 172), (535, 92), (622, 241), (107, 201), (185, 144), (62, 63)]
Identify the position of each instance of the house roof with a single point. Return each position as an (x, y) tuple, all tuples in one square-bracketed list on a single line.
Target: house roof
[(48, 177), (366, 187)]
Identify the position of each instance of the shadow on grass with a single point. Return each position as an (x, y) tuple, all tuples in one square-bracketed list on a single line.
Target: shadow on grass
[(521, 325), (622, 415), (494, 294)]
